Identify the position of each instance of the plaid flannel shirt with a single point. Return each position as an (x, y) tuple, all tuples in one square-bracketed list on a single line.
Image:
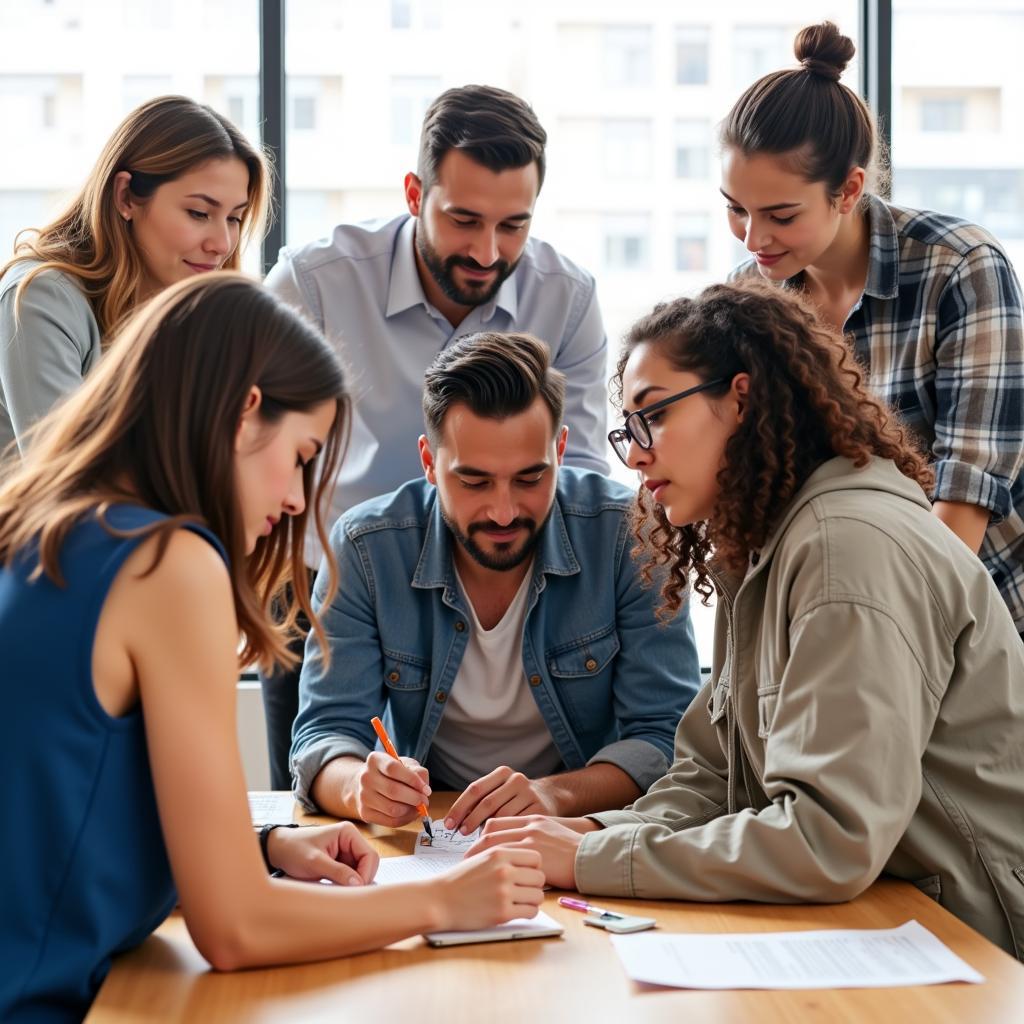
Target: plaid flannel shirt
[(940, 329)]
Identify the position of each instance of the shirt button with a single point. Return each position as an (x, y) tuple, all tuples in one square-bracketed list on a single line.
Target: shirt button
[(535, 680), (394, 677), (459, 626), (590, 664), (440, 696)]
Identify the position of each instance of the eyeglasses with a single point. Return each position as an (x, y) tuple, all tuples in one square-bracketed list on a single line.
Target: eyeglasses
[(637, 428)]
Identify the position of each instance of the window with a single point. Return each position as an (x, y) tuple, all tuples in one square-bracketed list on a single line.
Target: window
[(943, 115), (627, 149), (693, 149), (304, 113), (958, 74), (410, 98), (627, 55), (692, 242), (627, 241), (759, 49), (419, 14), (994, 198), (137, 89), (692, 56)]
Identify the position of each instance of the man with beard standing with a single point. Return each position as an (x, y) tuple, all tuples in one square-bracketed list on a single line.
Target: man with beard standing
[(391, 295), (494, 612)]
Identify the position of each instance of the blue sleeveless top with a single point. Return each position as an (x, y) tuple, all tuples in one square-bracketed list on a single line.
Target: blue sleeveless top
[(83, 869)]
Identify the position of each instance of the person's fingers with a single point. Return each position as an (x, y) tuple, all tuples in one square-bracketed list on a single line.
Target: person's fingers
[(490, 840), (421, 773), (512, 795), (500, 822), (472, 795), (327, 867), (354, 849), (531, 878), (383, 812), (406, 774), (523, 857), (366, 866)]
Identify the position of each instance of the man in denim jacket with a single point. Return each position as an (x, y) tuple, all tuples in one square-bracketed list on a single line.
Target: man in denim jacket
[(494, 612)]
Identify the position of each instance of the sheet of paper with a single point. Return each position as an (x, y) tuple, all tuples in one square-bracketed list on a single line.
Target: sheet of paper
[(883, 958), (445, 840), (393, 870), (271, 807)]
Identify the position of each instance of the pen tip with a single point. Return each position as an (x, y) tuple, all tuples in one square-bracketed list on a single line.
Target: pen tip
[(427, 828)]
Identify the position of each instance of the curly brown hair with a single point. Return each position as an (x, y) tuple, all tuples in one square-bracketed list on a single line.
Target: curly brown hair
[(807, 403)]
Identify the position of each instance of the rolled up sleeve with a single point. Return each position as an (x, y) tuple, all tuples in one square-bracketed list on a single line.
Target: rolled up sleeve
[(979, 384)]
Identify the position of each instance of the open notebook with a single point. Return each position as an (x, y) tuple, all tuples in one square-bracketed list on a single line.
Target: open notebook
[(444, 852)]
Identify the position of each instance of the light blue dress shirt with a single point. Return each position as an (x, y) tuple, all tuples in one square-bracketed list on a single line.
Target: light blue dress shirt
[(360, 286)]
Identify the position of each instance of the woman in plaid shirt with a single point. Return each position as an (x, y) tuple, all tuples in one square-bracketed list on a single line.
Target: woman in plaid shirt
[(929, 302)]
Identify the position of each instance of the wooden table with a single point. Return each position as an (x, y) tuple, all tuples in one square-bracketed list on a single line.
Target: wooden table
[(575, 978)]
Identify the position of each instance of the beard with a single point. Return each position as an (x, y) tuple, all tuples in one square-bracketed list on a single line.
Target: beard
[(442, 271), (506, 555)]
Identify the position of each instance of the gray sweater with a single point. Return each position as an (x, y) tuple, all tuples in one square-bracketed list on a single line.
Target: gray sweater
[(46, 351)]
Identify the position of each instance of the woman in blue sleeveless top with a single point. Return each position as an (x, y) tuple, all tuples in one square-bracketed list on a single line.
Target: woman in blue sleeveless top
[(159, 514)]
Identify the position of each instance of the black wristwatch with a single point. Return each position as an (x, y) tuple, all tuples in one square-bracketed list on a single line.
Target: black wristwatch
[(264, 836)]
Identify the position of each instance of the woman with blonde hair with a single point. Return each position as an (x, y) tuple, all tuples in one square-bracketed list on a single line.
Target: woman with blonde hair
[(158, 516), (176, 191), (865, 711)]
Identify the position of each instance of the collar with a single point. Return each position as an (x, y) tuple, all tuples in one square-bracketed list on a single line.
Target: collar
[(554, 554), (405, 289), (883, 281), (883, 251)]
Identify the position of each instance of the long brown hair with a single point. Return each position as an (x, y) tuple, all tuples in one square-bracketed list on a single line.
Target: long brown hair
[(806, 115), (807, 402), (157, 142), (155, 425)]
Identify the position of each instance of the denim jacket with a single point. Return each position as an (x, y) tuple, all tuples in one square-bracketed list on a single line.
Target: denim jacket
[(610, 682)]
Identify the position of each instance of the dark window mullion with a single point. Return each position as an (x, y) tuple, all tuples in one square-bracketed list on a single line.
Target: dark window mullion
[(272, 117), (876, 64)]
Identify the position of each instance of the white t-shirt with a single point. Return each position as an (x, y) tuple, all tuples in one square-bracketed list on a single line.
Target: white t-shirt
[(491, 718)]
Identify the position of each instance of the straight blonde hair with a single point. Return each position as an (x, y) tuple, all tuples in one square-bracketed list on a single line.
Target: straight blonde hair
[(157, 142)]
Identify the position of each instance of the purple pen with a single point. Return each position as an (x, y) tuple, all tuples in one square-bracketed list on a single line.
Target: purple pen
[(586, 908)]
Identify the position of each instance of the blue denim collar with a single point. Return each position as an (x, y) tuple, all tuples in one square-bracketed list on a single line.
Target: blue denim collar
[(434, 569)]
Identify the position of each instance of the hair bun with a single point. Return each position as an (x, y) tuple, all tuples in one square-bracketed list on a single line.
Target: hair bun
[(823, 50)]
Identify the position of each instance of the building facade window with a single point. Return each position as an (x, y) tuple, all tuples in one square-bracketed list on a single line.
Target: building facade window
[(692, 55)]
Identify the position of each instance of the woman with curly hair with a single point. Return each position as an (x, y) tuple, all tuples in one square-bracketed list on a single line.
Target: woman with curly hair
[(865, 711)]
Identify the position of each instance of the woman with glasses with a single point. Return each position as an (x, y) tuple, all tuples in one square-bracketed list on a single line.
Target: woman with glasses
[(865, 711), (931, 301)]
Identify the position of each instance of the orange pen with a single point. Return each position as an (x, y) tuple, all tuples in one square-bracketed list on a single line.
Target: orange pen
[(385, 740)]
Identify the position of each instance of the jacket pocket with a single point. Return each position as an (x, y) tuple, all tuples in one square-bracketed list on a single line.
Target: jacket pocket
[(767, 703), (405, 671), (930, 886), (587, 656)]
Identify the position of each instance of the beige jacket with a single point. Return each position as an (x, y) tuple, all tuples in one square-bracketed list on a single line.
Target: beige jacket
[(865, 714)]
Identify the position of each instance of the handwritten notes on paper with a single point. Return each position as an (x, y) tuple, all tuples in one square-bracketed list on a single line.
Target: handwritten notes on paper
[(271, 807), (883, 958), (428, 858)]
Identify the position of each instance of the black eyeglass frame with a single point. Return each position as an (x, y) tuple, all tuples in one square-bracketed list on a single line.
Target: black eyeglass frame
[(622, 435)]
